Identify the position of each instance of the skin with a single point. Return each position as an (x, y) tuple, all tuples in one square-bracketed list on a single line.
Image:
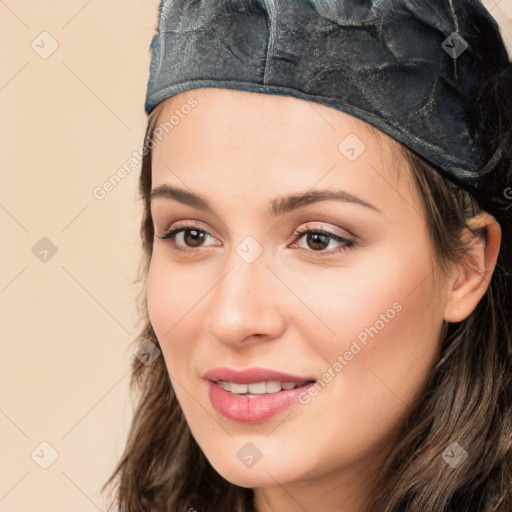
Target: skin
[(289, 310)]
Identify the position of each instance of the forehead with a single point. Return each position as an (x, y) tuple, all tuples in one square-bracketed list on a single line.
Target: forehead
[(271, 141), (276, 108)]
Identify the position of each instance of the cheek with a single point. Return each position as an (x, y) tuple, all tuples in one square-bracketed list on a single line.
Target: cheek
[(386, 294), (387, 320), (174, 303)]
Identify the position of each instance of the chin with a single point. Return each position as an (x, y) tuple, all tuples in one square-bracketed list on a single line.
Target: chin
[(263, 473), (250, 477)]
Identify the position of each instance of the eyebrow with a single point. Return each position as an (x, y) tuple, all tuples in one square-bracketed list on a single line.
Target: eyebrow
[(278, 206)]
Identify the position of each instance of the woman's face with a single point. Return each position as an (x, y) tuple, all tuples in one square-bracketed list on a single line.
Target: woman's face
[(361, 317)]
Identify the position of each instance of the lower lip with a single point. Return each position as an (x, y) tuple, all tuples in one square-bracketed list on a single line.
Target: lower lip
[(253, 410)]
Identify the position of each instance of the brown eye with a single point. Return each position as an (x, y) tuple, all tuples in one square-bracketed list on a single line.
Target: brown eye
[(317, 240), (185, 238), (193, 237)]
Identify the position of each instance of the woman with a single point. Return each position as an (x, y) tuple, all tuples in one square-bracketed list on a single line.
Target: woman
[(327, 255)]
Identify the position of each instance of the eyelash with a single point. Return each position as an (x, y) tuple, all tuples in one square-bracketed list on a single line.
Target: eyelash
[(170, 235)]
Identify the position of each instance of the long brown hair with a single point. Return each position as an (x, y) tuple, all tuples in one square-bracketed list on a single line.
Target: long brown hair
[(467, 399)]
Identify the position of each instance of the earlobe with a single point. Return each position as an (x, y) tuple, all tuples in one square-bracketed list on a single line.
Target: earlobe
[(474, 271)]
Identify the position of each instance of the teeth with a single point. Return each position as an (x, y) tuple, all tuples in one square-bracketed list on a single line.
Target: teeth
[(224, 385), (273, 386), (238, 388), (258, 388)]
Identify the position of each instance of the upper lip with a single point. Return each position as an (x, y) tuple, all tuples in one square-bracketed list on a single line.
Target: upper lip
[(252, 375)]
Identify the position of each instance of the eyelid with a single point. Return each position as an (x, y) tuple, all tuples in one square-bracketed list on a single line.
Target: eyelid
[(330, 231)]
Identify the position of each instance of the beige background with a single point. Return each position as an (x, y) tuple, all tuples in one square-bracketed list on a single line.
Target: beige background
[(69, 120)]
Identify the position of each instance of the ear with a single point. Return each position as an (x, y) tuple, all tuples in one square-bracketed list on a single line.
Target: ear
[(472, 274)]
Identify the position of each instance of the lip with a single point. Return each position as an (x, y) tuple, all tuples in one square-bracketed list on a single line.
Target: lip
[(253, 410), (252, 375), (257, 409)]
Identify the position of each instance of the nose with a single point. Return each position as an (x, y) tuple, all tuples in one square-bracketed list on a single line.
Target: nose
[(245, 304)]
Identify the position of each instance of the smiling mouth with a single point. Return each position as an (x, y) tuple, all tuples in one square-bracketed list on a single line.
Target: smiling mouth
[(255, 402)]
